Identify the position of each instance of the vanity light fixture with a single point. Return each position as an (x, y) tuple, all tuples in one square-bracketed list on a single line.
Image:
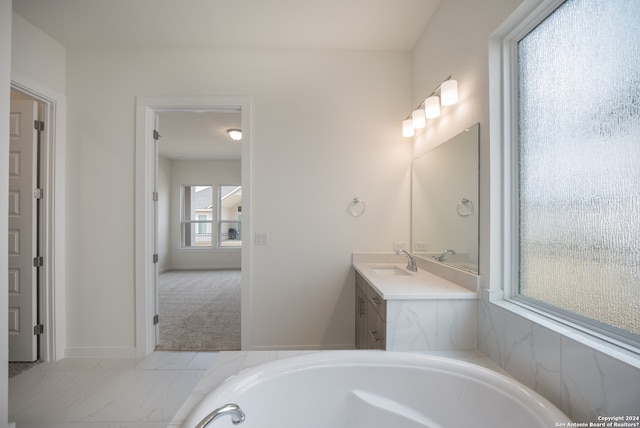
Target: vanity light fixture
[(430, 108), (407, 128), (235, 134), (418, 119)]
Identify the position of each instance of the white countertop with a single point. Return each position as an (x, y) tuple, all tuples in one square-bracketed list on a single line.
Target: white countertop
[(405, 285)]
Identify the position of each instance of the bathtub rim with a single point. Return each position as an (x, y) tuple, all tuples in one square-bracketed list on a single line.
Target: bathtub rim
[(263, 372)]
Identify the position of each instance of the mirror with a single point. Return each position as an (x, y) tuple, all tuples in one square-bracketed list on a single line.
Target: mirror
[(444, 202)]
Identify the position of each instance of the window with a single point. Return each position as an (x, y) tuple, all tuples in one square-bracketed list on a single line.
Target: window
[(230, 223), (197, 216), (577, 174)]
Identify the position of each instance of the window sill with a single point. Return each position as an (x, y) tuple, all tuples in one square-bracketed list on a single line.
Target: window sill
[(620, 351), (209, 249)]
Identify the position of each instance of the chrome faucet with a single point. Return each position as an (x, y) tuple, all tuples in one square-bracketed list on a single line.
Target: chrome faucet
[(237, 415), (411, 265), (441, 257)]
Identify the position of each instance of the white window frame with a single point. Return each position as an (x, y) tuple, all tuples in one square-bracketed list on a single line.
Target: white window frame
[(195, 223), (503, 172), (219, 220)]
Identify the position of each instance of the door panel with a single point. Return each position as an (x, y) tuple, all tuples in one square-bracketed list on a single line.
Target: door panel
[(22, 232)]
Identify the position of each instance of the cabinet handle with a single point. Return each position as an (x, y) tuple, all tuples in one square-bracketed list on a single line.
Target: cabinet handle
[(373, 335), (361, 310), (375, 300)]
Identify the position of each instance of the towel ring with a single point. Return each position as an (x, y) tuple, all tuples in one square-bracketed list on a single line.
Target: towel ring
[(465, 207), (357, 207)]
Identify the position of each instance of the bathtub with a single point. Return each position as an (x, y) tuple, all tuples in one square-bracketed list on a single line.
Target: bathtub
[(375, 389)]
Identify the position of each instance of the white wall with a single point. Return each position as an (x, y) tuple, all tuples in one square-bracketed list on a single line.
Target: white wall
[(325, 130), (38, 62), (37, 55), (5, 82), (192, 173), (580, 380)]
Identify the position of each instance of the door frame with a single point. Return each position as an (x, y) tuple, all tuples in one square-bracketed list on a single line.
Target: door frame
[(146, 111), (53, 274)]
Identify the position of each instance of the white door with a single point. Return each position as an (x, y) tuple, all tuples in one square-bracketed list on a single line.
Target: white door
[(22, 232)]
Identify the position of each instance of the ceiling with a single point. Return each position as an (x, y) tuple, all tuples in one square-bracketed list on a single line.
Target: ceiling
[(394, 25), (198, 135), (387, 25)]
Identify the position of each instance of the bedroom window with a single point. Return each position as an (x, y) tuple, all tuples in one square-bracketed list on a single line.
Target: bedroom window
[(230, 223), (576, 166), (197, 216)]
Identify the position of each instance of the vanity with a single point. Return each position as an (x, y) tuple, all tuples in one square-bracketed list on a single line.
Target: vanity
[(435, 308), (399, 310)]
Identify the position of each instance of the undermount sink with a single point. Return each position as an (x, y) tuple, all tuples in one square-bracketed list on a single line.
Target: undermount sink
[(389, 271)]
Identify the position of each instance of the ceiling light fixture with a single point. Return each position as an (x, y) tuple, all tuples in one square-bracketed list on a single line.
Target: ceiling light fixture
[(430, 107), (235, 134)]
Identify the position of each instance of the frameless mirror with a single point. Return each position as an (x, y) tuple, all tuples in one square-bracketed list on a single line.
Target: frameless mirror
[(444, 202)]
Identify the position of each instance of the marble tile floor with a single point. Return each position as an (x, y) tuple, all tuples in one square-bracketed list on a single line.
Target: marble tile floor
[(106, 392)]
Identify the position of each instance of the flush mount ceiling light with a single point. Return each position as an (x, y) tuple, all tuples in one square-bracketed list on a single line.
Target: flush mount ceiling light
[(235, 134), (430, 107)]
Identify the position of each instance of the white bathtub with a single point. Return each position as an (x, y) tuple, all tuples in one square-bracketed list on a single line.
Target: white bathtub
[(376, 389)]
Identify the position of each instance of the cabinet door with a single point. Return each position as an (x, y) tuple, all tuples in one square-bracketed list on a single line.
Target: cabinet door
[(361, 319), (376, 330)]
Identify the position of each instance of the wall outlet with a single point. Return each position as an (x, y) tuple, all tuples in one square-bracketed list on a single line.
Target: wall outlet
[(398, 246), (420, 246)]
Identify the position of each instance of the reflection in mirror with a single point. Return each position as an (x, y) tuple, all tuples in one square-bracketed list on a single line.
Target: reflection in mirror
[(444, 202)]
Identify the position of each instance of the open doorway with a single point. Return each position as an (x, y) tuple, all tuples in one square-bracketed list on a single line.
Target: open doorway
[(199, 226), (149, 245), (36, 207)]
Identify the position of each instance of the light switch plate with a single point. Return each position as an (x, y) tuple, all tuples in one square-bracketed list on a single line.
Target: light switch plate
[(262, 238)]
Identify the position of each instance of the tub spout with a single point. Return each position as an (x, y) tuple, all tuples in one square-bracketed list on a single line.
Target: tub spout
[(237, 415)]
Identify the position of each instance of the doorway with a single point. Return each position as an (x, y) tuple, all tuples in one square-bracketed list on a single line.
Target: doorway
[(25, 260), (47, 319), (147, 260), (198, 224)]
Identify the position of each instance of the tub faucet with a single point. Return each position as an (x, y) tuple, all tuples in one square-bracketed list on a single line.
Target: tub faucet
[(441, 257), (411, 265), (237, 415)]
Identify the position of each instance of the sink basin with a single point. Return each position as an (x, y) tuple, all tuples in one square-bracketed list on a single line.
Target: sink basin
[(389, 271)]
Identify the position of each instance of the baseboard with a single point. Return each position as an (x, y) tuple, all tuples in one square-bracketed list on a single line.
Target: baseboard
[(200, 267), (100, 352)]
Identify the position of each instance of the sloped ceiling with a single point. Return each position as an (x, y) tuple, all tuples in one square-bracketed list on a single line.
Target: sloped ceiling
[(394, 25)]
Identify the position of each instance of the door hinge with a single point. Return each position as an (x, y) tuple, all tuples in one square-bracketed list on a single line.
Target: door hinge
[(38, 329), (38, 261), (38, 193), (155, 196), (156, 135), (156, 319), (155, 258), (38, 125)]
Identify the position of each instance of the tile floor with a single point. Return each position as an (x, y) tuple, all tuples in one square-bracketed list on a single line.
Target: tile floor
[(107, 392)]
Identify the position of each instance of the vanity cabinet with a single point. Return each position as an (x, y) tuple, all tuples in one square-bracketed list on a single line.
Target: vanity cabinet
[(439, 318), (371, 312)]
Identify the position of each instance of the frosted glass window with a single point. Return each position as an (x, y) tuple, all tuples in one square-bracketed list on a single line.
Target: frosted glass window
[(579, 163)]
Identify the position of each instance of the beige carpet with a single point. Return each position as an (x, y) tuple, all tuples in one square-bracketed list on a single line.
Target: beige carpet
[(199, 310)]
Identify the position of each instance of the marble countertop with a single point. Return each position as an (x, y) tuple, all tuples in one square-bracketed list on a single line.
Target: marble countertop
[(390, 278)]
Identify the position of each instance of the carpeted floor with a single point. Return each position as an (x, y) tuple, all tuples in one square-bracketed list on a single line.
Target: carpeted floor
[(199, 310)]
